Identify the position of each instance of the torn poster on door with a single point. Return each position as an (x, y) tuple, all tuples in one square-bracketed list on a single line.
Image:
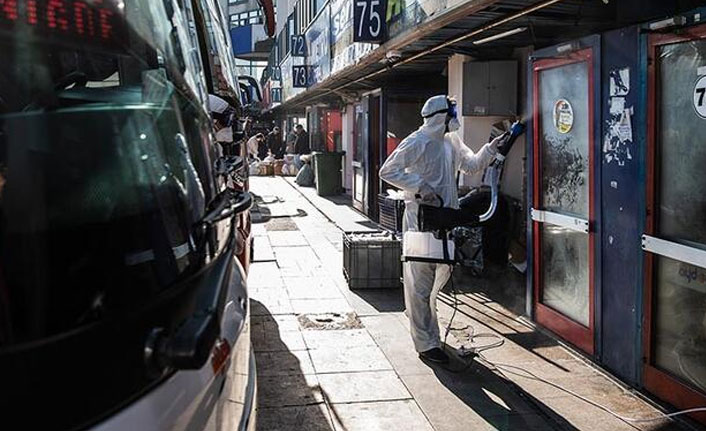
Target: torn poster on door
[(618, 138), (617, 105), (620, 82), (625, 126)]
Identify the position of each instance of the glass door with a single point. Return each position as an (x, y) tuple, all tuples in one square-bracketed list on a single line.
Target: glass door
[(563, 196), (359, 154), (675, 237)]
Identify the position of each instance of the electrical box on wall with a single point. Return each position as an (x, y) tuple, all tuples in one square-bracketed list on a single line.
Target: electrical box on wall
[(490, 88)]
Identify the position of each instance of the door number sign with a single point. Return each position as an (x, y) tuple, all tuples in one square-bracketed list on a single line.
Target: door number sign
[(369, 23), (298, 45), (700, 97), (300, 76)]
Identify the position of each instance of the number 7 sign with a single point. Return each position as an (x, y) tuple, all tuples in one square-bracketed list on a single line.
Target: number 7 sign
[(699, 100), (369, 23)]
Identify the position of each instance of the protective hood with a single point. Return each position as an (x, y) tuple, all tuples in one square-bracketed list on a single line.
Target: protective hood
[(434, 112), (434, 127), (435, 104)]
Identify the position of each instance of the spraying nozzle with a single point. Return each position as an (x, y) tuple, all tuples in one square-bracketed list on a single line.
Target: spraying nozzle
[(515, 131)]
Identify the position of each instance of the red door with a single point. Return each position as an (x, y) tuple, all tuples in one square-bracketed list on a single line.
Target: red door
[(675, 237), (563, 207)]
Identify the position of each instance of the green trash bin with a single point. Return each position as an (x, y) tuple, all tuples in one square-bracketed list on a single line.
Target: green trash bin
[(327, 167)]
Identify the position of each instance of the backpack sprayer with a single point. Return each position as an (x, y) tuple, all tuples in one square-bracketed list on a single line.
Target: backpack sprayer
[(436, 248)]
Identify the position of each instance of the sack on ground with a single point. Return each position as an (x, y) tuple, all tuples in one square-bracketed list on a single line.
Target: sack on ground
[(305, 177)]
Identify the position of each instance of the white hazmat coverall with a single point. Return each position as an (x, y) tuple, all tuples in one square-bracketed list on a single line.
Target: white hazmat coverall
[(425, 163)]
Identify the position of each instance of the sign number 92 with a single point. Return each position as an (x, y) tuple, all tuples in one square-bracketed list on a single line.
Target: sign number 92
[(368, 22)]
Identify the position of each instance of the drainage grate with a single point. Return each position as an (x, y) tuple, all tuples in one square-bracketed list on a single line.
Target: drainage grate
[(330, 321), (281, 224)]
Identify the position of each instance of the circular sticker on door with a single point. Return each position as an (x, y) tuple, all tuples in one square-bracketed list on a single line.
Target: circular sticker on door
[(563, 116), (699, 98)]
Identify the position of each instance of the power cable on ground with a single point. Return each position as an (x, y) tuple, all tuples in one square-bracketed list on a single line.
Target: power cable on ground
[(502, 368)]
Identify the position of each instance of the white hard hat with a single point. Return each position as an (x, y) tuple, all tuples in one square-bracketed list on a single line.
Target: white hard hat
[(435, 105)]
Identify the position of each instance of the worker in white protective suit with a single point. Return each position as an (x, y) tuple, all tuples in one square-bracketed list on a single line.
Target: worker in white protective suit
[(424, 166)]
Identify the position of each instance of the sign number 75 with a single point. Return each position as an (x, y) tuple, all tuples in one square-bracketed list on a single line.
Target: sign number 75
[(368, 22)]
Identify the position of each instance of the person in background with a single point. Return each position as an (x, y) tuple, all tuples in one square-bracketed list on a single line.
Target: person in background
[(247, 126), (274, 143), (223, 117), (301, 144), (254, 145), (291, 139), (263, 149)]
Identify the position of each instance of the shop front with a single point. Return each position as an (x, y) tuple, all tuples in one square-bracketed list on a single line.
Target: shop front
[(368, 126), (675, 236), (563, 213), (618, 194)]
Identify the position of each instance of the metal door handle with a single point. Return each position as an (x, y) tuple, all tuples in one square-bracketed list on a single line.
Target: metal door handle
[(568, 222)]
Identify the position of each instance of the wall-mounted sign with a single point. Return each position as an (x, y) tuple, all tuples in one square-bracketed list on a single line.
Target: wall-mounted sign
[(699, 99), (563, 116), (276, 73), (369, 23), (276, 95), (340, 18), (318, 40), (300, 76), (298, 45)]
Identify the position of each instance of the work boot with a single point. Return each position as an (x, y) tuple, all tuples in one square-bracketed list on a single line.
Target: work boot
[(435, 355)]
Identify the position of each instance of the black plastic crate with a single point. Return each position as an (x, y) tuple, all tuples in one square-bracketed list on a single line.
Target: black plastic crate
[(371, 263), (390, 213)]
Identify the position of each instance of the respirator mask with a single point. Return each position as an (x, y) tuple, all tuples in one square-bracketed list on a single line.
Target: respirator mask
[(452, 123)]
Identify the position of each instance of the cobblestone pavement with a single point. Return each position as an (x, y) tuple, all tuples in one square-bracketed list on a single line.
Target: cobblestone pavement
[(329, 358)]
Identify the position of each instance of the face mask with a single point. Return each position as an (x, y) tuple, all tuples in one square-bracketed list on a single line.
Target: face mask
[(225, 135), (454, 125)]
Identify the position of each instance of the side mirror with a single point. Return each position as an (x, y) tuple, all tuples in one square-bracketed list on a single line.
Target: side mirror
[(186, 349), (226, 204), (227, 165)]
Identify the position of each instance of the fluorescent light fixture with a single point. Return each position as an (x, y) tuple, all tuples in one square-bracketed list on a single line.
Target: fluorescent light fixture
[(500, 35)]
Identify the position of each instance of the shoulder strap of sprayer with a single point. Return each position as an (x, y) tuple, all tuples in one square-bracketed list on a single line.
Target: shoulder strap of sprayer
[(445, 243)]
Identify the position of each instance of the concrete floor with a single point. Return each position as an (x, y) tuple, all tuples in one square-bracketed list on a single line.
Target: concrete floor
[(329, 358)]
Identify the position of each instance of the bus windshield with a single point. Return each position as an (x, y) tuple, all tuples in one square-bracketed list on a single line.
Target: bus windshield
[(105, 156)]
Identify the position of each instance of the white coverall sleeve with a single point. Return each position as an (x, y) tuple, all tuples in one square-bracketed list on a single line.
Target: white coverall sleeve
[(393, 170), (472, 162)]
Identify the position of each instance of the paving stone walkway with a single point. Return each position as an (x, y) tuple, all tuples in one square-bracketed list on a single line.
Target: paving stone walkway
[(332, 359)]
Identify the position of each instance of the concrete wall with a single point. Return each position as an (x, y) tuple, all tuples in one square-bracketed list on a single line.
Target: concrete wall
[(475, 131)]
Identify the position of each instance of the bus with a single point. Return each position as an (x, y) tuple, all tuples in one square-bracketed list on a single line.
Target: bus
[(123, 304)]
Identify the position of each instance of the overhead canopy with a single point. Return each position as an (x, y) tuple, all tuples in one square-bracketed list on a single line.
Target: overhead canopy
[(483, 29)]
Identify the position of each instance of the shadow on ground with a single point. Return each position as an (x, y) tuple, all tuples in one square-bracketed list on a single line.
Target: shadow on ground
[(260, 213), (382, 300), (500, 403), (288, 397), (496, 299)]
